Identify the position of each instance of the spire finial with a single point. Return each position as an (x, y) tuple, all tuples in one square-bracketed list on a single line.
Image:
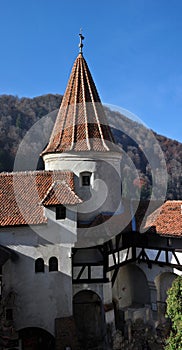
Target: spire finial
[(81, 40)]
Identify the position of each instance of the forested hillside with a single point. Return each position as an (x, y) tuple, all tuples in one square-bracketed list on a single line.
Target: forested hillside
[(17, 115)]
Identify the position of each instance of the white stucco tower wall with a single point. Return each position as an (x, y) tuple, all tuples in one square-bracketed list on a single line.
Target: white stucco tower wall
[(103, 195)]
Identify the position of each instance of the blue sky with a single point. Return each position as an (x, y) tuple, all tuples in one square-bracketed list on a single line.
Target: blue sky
[(133, 49)]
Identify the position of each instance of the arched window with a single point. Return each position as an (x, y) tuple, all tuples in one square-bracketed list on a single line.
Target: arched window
[(53, 264), (39, 265)]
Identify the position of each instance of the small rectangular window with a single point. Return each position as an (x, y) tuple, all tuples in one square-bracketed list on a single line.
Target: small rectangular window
[(85, 180), (60, 212)]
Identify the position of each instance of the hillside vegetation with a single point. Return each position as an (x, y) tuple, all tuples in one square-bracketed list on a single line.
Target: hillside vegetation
[(18, 115)]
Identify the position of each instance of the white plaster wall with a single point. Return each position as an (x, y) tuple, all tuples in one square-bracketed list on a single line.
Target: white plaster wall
[(154, 271), (104, 194), (94, 287), (62, 231), (103, 290), (96, 272), (179, 256), (40, 297), (127, 288)]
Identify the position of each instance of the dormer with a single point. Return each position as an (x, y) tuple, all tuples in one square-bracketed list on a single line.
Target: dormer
[(58, 202)]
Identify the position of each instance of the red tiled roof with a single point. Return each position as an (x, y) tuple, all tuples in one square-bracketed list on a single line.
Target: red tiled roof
[(167, 219), (81, 123), (60, 192), (21, 194)]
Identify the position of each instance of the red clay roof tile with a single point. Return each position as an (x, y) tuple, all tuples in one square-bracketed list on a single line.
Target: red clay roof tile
[(81, 123), (21, 195), (60, 192), (167, 219)]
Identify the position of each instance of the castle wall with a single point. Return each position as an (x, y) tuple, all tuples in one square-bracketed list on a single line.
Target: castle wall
[(39, 297)]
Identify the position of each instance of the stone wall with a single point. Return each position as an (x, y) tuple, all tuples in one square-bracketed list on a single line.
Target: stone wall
[(140, 336)]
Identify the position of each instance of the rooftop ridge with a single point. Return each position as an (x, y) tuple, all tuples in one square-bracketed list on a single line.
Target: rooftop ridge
[(58, 194), (34, 172)]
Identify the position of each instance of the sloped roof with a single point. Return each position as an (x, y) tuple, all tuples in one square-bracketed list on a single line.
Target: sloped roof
[(21, 194), (81, 123), (167, 219), (60, 192)]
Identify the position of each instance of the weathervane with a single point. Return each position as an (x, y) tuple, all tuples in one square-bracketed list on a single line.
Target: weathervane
[(81, 41)]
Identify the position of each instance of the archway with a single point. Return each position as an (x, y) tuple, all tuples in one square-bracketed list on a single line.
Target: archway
[(130, 281), (131, 294), (36, 339), (90, 321), (163, 282)]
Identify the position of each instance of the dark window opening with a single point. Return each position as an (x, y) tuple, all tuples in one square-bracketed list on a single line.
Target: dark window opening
[(85, 180), (53, 264), (60, 212), (169, 242), (39, 265)]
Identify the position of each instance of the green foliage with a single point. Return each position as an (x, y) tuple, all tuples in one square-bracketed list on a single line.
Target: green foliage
[(174, 312)]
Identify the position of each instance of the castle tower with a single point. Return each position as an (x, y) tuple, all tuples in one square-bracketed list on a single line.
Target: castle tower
[(82, 142)]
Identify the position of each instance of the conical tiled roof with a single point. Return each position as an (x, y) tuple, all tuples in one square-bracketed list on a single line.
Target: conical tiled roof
[(81, 123)]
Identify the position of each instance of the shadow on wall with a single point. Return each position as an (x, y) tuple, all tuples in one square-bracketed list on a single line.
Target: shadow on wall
[(89, 317), (131, 295), (130, 281), (36, 339), (42, 288)]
